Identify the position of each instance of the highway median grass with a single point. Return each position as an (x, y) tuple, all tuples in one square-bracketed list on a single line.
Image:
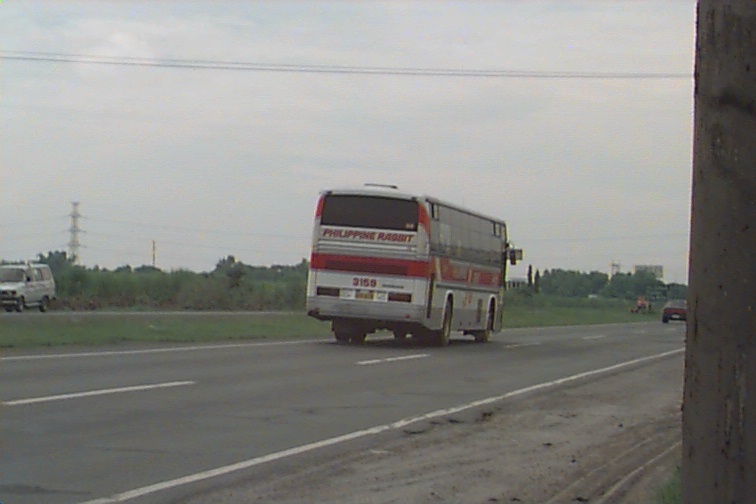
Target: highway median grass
[(83, 328), (30, 330), (526, 309)]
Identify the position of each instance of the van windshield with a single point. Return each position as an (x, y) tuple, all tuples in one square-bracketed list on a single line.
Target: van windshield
[(11, 275)]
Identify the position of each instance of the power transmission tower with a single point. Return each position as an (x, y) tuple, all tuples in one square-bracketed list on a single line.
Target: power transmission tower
[(73, 242)]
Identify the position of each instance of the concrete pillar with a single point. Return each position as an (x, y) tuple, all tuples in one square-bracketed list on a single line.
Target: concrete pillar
[(719, 412)]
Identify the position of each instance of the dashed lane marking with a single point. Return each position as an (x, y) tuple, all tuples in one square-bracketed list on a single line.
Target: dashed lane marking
[(391, 359), (521, 345), (109, 353), (90, 393)]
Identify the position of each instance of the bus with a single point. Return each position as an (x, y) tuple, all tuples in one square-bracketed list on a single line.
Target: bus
[(413, 265)]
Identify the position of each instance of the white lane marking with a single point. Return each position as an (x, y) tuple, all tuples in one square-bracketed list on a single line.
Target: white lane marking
[(520, 345), (584, 326), (298, 450), (193, 348), (598, 336), (391, 359), (90, 393)]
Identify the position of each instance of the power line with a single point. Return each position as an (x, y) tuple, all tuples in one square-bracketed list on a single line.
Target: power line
[(601, 238), (52, 57), (194, 245), (194, 229)]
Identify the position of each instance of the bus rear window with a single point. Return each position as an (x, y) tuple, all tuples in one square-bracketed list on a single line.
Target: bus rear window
[(369, 212)]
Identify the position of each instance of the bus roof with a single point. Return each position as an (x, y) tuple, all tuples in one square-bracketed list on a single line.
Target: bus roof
[(383, 191), (389, 192)]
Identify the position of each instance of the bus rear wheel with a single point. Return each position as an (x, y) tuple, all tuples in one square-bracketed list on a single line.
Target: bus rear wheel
[(344, 332), (485, 335), (442, 337), (341, 337)]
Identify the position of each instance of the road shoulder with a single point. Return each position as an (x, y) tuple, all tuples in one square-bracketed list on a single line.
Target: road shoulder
[(607, 440)]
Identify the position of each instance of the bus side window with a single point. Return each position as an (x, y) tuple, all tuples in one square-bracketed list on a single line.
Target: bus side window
[(434, 211), (445, 235)]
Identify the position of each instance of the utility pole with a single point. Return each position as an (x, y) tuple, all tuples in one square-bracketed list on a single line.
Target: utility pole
[(73, 242), (719, 408), (154, 253)]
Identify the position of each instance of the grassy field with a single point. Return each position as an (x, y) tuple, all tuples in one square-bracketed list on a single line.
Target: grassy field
[(536, 311), (28, 330), (81, 328), (559, 315)]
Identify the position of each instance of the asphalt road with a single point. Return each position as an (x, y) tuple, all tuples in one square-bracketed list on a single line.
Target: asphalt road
[(148, 424)]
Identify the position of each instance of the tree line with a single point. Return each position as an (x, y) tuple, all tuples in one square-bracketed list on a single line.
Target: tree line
[(629, 286), (233, 285)]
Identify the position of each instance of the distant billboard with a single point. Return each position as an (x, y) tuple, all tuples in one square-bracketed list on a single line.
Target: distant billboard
[(655, 269)]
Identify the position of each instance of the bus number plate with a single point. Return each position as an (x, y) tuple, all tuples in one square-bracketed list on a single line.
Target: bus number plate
[(364, 282)]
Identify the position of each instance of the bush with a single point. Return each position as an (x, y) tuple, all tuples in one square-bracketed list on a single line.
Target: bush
[(232, 286)]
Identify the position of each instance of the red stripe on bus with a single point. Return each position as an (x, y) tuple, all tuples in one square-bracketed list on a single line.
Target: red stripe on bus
[(467, 274), (423, 219), (319, 207), (379, 266)]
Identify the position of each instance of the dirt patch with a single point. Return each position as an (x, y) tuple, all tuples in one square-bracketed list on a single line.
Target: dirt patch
[(613, 439)]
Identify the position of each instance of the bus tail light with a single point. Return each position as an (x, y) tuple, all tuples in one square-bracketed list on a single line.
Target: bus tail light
[(400, 296), (328, 291)]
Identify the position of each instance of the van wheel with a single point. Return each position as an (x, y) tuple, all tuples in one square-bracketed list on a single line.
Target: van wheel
[(44, 303), (358, 338), (20, 304)]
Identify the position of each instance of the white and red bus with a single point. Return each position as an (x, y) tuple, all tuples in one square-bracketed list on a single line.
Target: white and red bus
[(382, 259)]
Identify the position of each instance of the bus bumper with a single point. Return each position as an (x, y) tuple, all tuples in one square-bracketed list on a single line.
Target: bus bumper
[(383, 315)]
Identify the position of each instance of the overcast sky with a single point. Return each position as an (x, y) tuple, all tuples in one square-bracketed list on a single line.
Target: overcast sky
[(216, 162)]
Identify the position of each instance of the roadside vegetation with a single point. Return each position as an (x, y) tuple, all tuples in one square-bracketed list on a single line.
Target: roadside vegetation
[(240, 301), (235, 286), (671, 492), (77, 328), (523, 308), (230, 286)]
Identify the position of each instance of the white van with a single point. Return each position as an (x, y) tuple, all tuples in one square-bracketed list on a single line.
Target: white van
[(25, 286)]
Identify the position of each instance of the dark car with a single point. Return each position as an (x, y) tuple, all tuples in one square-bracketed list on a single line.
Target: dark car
[(674, 310)]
